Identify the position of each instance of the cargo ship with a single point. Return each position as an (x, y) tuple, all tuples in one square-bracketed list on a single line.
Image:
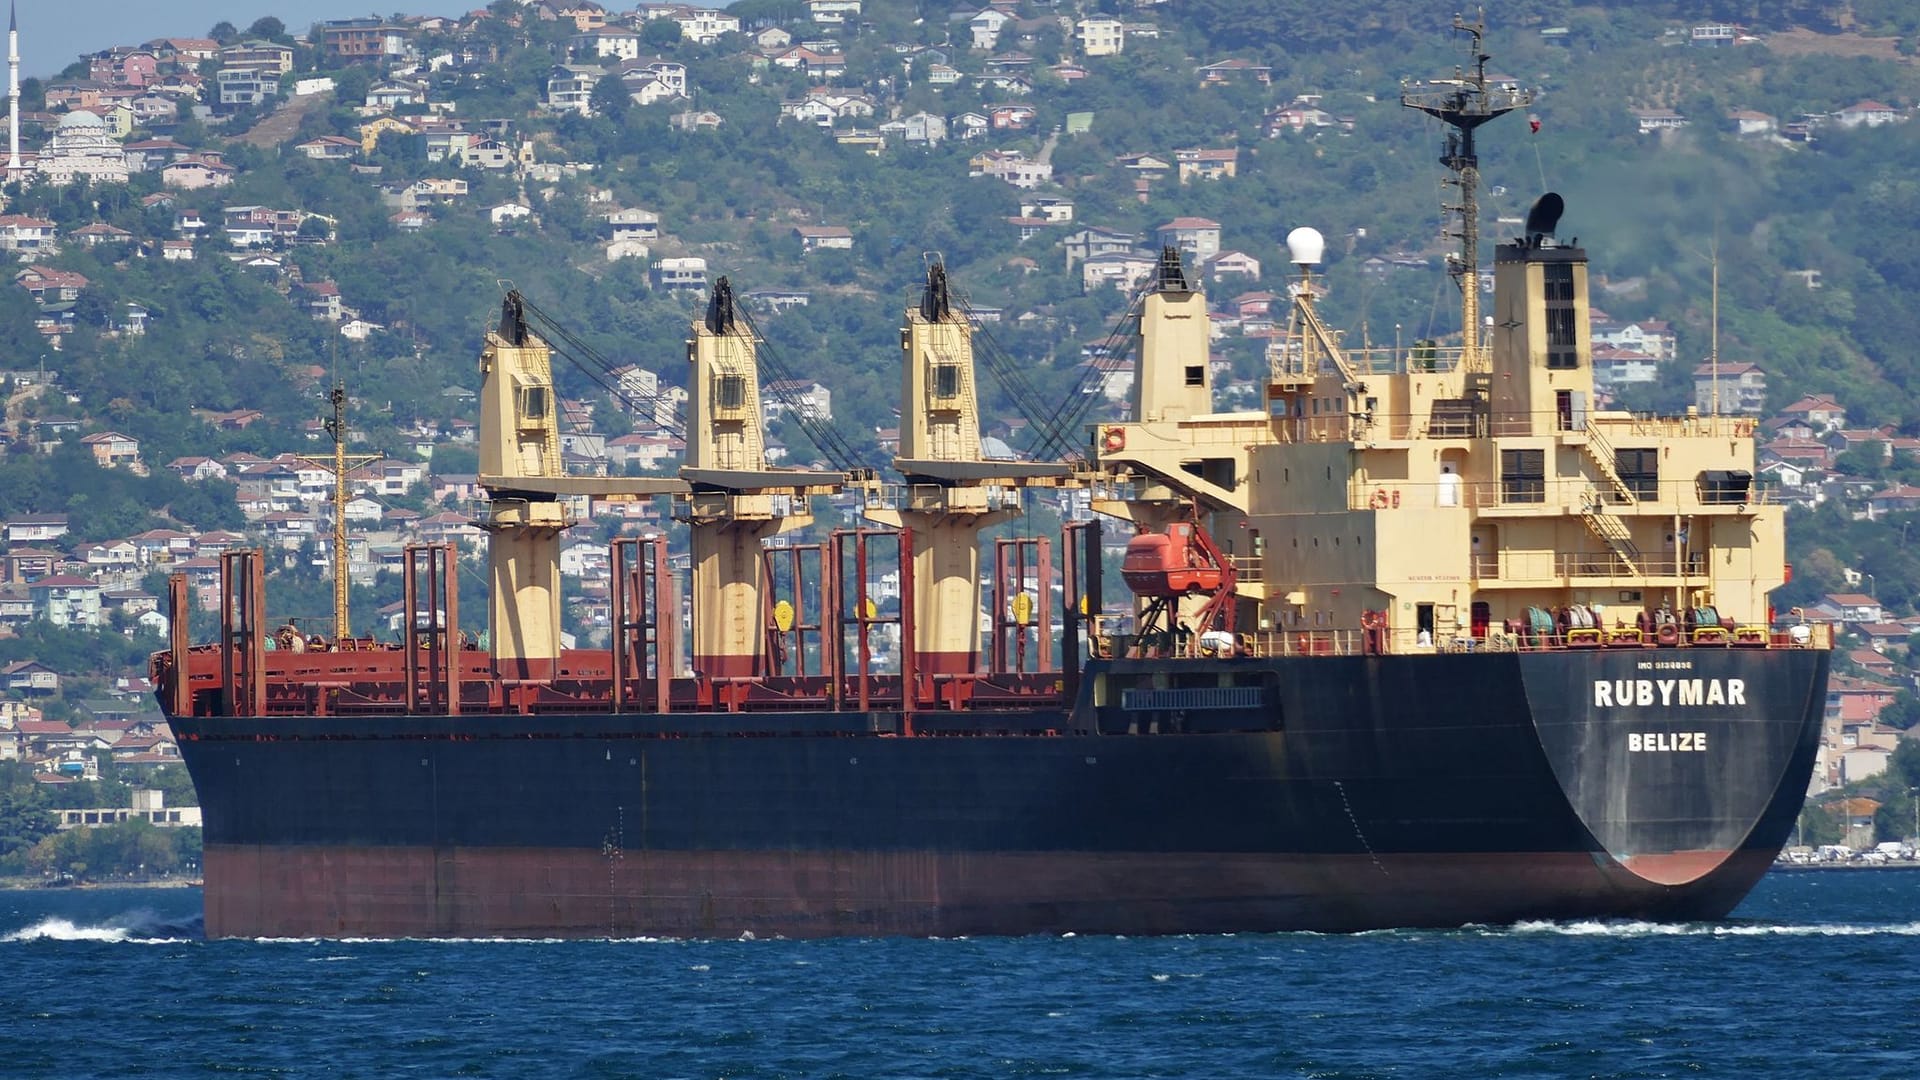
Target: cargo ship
[(1423, 640)]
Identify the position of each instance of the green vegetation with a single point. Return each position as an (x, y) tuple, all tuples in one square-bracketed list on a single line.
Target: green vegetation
[(30, 845), (1651, 210)]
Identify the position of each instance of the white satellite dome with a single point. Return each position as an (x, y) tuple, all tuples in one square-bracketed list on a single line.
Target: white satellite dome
[(1305, 246)]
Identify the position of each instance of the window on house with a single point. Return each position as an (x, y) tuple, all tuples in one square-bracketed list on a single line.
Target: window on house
[(1523, 476)]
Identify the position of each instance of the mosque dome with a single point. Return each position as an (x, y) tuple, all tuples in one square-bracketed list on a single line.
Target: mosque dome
[(80, 118)]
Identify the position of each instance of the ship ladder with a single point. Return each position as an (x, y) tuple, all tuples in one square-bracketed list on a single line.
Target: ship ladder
[(1618, 538), (1601, 453)]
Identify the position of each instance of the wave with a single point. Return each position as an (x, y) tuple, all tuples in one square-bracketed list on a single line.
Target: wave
[(1635, 928), (139, 927)]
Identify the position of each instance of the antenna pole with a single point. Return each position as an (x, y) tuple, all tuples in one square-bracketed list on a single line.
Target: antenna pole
[(1713, 354), (1464, 103), (337, 427)]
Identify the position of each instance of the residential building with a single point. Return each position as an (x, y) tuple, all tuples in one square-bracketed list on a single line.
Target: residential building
[(1201, 163), (26, 236), (680, 273), (1868, 114), (1652, 121), (268, 57), (570, 88), (607, 43), (824, 237), (362, 40), (1100, 36), (112, 450), (1198, 237), (66, 600), (245, 86), (1742, 388)]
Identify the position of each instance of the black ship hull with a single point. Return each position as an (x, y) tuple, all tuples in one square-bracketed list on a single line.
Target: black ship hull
[(1310, 793)]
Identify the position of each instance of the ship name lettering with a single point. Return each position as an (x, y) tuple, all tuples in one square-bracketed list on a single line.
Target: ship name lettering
[(1663, 742), (1688, 693)]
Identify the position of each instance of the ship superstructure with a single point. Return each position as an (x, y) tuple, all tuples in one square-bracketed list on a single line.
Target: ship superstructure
[(1426, 639)]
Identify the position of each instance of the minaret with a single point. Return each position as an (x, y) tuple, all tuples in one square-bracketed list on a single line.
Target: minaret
[(13, 91)]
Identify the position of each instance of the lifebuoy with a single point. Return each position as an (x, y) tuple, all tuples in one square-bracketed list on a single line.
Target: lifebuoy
[(1115, 440), (1380, 499)]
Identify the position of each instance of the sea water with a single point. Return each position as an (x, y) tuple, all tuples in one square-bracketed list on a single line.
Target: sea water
[(1815, 976)]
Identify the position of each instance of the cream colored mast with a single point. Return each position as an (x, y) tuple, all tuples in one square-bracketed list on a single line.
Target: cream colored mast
[(520, 441), (736, 502), (951, 486)]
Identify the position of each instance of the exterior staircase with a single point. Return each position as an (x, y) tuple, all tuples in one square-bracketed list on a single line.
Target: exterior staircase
[(1601, 453), (1614, 532)]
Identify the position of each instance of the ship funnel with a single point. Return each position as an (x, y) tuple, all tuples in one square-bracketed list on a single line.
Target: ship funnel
[(1306, 246), (1544, 217)]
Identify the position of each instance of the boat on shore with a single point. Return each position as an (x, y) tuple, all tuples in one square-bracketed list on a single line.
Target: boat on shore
[(1424, 640)]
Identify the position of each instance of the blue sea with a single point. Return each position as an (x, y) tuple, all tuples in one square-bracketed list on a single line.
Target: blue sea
[(1815, 976)]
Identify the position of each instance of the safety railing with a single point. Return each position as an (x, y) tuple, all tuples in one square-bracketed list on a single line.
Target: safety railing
[(1493, 638)]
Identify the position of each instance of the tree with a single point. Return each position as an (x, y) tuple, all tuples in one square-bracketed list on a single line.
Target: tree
[(268, 28), (224, 32), (610, 97), (660, 33)]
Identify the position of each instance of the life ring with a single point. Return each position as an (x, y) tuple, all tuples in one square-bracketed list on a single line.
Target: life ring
[(1380, 499), (1114, 440)]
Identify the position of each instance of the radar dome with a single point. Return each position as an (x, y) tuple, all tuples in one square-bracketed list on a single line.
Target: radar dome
[(1305, 246)]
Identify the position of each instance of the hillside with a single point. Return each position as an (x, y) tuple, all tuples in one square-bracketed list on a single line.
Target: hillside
[(352, 200)]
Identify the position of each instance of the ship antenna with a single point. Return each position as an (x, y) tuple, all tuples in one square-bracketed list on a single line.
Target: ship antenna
[(1713, 351), (336, 428), (1464, 103)]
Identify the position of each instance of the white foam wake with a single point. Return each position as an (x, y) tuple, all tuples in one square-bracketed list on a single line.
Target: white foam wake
[(57, 929), (140, 927), (1599, 928)]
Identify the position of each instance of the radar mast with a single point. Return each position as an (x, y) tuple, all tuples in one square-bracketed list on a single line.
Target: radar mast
[(1464, 103)]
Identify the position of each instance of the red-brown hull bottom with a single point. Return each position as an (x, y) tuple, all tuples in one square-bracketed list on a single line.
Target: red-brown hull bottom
[(313, 891)]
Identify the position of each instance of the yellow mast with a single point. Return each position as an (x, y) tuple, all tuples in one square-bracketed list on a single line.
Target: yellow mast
[(337, 428)]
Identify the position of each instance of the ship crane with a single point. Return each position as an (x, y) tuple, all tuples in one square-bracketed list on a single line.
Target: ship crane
[(952, 490)]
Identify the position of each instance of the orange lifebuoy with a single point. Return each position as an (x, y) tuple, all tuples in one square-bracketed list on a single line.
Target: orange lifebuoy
[(1114, 440), (1380, 499)]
